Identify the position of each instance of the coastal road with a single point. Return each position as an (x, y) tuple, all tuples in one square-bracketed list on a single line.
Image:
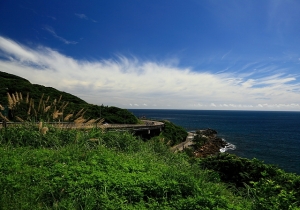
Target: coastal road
[(145, 125), (185, 144)]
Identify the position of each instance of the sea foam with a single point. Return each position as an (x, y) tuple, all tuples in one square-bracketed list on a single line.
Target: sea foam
[(227, 147)]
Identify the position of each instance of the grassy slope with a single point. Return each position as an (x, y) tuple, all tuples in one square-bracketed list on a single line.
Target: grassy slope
[(12, 84), (117, 171), (172, 134)]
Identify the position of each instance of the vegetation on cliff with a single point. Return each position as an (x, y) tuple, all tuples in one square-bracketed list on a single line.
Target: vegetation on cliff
[(173, 134), (32, 102)]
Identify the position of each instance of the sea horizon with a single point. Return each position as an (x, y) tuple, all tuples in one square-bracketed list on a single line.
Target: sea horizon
[(270, 136), (242, 110)]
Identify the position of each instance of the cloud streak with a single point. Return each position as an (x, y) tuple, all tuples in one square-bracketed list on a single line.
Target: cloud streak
[(83, 16), (130, 82), (53, 33)]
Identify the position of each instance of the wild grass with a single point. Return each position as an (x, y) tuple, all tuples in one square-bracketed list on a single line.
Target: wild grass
[(47, 111), (94, 169), (73, 169)]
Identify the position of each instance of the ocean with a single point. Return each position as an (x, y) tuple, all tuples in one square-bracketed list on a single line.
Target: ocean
[(273, 137)]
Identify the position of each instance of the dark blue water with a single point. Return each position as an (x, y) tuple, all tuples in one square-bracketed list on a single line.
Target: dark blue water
[(273, 137)]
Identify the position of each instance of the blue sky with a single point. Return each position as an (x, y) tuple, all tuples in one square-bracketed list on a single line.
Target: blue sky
[(170, 54)]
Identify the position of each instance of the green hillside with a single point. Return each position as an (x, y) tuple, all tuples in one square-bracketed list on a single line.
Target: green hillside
[(15, 85), (45, 167)]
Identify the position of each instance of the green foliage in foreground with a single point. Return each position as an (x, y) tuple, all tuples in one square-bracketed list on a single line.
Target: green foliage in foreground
[(98, 170), (73, 169), (271, 187)]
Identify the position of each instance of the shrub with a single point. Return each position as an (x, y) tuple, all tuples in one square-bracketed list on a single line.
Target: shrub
[(173, 134), (268, 186)]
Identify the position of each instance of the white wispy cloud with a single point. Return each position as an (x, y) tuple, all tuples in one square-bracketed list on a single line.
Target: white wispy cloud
[(130, 82), (83, 16), (281, 13), (52, 17), (53, 33), (226, 54)]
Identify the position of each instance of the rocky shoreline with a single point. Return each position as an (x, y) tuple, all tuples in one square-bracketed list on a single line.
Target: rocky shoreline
[(207, 143), (202, 143)]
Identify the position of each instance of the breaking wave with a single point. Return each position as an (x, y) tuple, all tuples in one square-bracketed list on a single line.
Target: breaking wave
[(227, 147)]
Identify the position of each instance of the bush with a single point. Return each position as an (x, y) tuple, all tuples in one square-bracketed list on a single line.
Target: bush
[(173, 134), (268, 186), (238, 171)]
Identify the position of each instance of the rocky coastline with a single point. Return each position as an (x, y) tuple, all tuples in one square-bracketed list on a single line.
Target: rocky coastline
[(202, 143), (207, 143)]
